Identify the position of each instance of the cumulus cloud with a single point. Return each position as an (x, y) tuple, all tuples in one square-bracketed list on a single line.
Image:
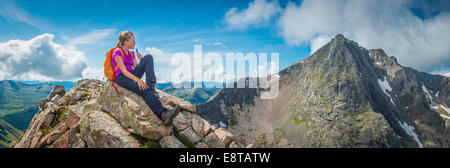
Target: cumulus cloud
[(158, 55), (258, 13), (93, 73), (40, 59), (318, 42), (386, 24), (266, 69)]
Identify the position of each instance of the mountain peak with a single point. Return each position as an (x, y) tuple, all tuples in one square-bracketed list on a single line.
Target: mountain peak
[(340, 37), (340, 51)]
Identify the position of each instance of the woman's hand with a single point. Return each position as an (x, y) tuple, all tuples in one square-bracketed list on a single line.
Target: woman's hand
[(139, 55), (142, 84)]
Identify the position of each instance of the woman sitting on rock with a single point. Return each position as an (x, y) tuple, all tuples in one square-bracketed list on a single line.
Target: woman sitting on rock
[(129, 75)]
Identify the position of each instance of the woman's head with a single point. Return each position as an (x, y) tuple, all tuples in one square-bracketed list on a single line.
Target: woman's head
[(126, 39)]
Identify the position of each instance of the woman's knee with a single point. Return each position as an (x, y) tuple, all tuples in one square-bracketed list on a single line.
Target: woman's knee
[(148, 57)]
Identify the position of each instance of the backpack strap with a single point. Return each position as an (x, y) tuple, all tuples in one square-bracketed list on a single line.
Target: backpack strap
[(121, 52), (115, 87), (115, 69), (132, 55)]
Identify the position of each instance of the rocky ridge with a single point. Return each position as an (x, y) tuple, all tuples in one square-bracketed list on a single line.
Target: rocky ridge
[(93, 115)]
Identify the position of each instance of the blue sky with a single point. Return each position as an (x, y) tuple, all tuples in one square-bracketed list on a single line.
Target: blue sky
[(88, 29)]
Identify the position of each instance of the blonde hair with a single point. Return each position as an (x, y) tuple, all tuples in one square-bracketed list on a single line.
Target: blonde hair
[(124, 36)]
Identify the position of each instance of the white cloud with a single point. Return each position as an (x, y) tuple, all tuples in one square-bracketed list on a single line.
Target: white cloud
[(319, 41), (258, 13), (163, 67), (93, 73), (158, 55), (11, 11), (179, 67), (386, 24), (265, 70), (40, 59), (93, 37)]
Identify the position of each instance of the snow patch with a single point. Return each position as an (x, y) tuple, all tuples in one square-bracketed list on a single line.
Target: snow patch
[(437, 94), (444, 116), (445, 109), (410, 131), (428, 93), (377, 63), (385, 86)]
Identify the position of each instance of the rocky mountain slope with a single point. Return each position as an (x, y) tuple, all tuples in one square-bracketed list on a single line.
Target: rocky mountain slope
[(93, 115), (343, 95)]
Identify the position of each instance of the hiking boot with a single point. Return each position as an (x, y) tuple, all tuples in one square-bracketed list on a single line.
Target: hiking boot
[(168, 115)]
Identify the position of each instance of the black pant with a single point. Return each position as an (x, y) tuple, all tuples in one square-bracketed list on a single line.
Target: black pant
[(150, 98)]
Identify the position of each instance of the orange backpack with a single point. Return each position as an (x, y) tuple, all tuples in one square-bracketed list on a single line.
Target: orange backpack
[(108, 67)]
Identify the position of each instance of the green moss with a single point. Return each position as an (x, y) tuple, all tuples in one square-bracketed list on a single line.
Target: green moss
[(86, 92), (129, 115), (69, 101), (145, 143), (261, 141), (279, 134), (46, 130), (150, 144), (61, 112), (298, 121), (184, 141)]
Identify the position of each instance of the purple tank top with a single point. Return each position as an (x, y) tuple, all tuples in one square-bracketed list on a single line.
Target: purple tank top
[(127, 60)]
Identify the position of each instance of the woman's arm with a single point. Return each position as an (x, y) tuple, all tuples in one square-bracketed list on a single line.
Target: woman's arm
[(129, 75)]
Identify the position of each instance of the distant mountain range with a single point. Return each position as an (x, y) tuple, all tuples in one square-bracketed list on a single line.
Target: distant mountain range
[(19, 101), (194, 92)]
